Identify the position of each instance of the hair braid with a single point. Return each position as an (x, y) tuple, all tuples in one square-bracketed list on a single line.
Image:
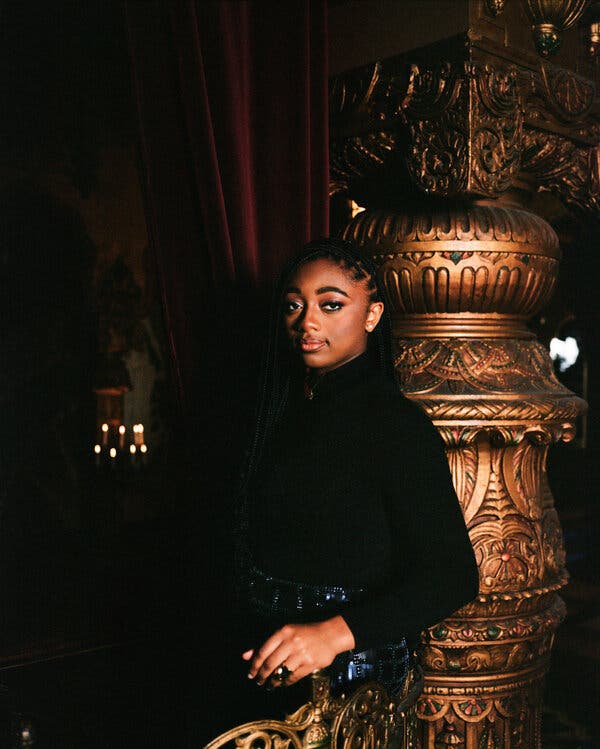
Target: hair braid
[(276, 370)]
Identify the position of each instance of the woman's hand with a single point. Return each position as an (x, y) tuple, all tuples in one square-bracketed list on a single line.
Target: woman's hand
[(301, 647)]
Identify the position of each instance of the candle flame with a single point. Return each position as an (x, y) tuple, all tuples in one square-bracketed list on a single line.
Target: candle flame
[(97, 449), (121, 429), (113, 452), (143, 448), (132, 449), (105, 427)]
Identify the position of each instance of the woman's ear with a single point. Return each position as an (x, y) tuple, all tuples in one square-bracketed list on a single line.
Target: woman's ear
[(374, 313)]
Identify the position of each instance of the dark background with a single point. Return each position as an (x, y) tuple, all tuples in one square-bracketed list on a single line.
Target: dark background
[(106, 612)]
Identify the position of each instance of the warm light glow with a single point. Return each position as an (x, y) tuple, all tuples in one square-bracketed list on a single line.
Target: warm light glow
[(355, 208), (105, 427), (143, 448), (113, 452), (567, 352), (121, 429), (132, 449), (97, 449)]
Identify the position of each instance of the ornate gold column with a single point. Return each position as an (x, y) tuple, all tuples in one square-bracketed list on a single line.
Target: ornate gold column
[(444, 157)]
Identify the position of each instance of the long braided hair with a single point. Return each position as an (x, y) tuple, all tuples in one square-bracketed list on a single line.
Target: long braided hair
[(278, 359)]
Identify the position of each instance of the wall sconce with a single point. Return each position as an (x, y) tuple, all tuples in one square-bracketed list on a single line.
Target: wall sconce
[(590, 30), (550, 18), (495, 7), (594, 47)]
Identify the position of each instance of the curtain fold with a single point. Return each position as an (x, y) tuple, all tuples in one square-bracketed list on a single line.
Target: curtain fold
[(231, 101)]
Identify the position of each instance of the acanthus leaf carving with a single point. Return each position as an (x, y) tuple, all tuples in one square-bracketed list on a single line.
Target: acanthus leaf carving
[(565, 168), (497, 129)]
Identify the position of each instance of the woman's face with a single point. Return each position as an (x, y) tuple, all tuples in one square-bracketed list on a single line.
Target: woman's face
[(327, 314)]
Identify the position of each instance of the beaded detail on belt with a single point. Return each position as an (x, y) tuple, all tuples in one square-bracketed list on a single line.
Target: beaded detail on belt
[(273, 596)]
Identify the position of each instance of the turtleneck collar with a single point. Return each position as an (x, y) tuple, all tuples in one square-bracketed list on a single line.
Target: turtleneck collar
[(339, 379)]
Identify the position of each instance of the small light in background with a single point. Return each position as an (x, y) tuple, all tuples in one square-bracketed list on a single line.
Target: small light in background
[(355, 208), (566, 351)]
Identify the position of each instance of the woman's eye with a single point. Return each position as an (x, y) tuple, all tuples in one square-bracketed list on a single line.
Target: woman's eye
[(290, 307), (332, 306)]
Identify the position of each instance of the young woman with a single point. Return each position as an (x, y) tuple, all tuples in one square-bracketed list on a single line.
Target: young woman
[(350, 538)]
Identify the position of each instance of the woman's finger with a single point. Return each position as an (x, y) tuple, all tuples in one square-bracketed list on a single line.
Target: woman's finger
[(248, 654), (297, 674), (273, 661), (292, 663), (263, 653)]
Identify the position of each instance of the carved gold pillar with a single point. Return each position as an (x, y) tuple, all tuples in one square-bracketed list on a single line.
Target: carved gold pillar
[(462, 280), (441, 154)]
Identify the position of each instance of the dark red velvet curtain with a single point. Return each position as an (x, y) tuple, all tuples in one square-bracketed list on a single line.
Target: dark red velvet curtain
[(232, 109)]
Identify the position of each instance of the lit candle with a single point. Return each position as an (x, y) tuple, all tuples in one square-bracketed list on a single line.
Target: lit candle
[(141, 426), (144, 451), (105, 434), (121, 437), (137, 437), (113, 455), (97, 451)]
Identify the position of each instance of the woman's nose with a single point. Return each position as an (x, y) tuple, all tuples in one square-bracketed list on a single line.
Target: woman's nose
[(309, 320)]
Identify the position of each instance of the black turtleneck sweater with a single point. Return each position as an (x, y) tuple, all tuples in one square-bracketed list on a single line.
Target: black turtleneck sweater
[(354, 489)]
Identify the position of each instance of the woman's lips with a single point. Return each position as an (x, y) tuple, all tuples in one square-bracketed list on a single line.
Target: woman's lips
[(310, 345)]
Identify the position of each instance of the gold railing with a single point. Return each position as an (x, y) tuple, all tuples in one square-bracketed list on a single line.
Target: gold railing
[(368, 719)]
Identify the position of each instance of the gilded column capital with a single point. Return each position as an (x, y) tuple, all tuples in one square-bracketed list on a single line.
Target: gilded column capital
[(472, 125), (460, 268), (452, 128)]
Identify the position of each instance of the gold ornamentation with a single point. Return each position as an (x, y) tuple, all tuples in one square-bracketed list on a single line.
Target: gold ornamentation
[(456, 259), (436, 111), (495, 7), (465, 355), (496, 138), (563, 167), (449, 736), (453, 366), (368, 718), (568, 96), (462, 121), (550, 18)]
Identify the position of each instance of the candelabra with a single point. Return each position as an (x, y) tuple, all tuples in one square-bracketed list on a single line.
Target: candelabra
[(120, 448)]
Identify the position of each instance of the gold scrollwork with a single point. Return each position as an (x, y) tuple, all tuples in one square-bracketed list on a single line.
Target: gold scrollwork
[(497, 128), (367, 718), (561, 166), (451, 366)]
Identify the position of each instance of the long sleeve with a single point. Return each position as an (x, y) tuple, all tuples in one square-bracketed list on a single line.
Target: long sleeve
[(354, 490), (433, 569)]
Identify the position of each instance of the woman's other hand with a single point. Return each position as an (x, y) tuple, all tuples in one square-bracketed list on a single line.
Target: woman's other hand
[(302, 648)]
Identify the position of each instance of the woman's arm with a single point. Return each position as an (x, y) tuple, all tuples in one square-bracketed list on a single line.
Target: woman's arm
[(434, 571)]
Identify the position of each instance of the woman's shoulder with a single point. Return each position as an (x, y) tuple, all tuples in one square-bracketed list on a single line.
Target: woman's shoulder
[(389, 410)]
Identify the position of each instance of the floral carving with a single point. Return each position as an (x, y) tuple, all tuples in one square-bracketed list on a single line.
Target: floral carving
[(569, 96), (496, 137)]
